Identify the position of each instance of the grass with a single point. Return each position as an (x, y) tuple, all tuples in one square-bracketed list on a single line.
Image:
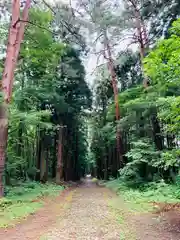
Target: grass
[(94, 180), (19, 202), (140, 199), (121, 213)]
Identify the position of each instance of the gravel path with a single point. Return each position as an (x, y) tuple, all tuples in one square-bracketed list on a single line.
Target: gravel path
[(87, 218), (81, 213), (86, 213)]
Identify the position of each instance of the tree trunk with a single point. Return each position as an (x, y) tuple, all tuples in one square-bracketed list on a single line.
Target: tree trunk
[(114, 163), (15, 36), (10, 52), (141, 36), (20, 139), (115, 90), (38, 152), (105, 165), (19, 38), (47, 165), (54, 159), (170, 141), (3, 143), (43, 163), (77, 173), (157, 137), (6, 82), (59, 169)]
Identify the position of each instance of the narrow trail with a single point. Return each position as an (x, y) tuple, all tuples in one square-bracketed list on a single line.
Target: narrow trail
[(84, 213)]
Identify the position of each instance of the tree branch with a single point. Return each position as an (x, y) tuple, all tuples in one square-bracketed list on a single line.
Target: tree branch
[(36, 25), (69, 27)]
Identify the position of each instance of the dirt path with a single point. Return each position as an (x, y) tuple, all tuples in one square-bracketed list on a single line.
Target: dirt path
[(86, 213), (88, 217)]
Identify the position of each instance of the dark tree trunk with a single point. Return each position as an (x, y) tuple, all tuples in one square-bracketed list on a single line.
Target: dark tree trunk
[(43, 163), (142, 37), (20, 140), (111, 68), (157, 137), (47, 165), (170, 141), (59, 169), (78, 170), (114, 164), (6, 84), (3, 143), (38, 153), (15, 36), (54, 159)]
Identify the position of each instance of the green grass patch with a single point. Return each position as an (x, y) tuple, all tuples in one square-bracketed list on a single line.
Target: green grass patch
[(120, 212), (94, 180), (19, 203), (138, 199)]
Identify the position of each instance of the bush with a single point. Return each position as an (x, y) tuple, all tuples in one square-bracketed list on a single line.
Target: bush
[(149, 192)]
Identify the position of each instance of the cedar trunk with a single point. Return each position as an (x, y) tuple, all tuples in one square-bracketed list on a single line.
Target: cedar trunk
[(59, 169), (19, 38), (141, 36), (3, 142), (6, 83), (44, 155), (16, 32)]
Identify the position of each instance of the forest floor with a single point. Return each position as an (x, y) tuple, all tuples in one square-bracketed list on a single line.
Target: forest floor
[(90, 212)]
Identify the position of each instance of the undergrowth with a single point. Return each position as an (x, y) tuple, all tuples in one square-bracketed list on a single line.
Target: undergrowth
[(20, 201), (138, 199)]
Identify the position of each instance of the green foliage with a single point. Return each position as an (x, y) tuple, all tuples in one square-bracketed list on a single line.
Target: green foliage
[(169, 160), (169, 113), (149, 124), (49, 91), (141, 199), (140, 158), (162, 63)]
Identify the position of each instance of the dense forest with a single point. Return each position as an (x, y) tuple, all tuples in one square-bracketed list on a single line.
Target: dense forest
[(147, 77), (56, 124), (46, 114)]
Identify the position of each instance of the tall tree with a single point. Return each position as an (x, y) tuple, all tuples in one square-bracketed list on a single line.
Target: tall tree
[(50, 91), (16, 33), (100, 18)]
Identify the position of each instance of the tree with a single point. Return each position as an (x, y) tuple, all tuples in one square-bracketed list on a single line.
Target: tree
[(16, 33), (101, 23), (49, 92), (128, 69), (66, 27), (63, 91), (163, 14), (149, 117)]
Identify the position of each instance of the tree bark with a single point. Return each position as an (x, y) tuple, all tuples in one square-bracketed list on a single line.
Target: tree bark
[(142, 37), (115, 90), (19, 38), (6, 82), (16, 32), (42, 163), (3, 143), (59, 169), (54, 153), (156, 130)]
